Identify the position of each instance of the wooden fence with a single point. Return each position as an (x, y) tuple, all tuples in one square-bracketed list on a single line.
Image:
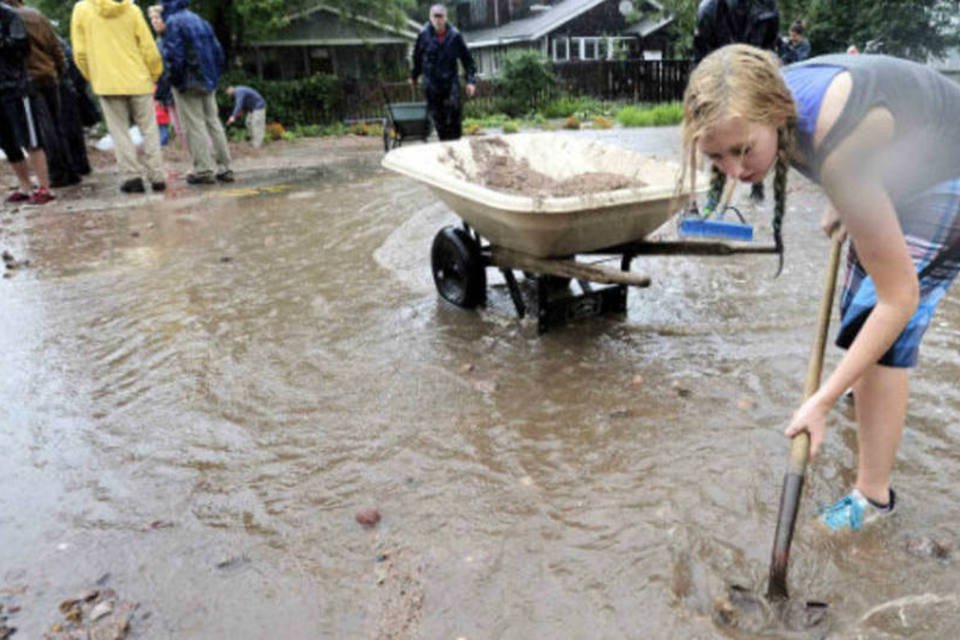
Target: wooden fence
[(627, 80)]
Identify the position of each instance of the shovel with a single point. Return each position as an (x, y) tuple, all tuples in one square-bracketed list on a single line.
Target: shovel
[(800, 445)]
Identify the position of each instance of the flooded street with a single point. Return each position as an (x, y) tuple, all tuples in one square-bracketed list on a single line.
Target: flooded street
[(200, 392)]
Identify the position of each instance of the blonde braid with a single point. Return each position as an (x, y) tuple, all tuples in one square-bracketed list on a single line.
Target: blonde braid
[(717, 181), (780, 191)]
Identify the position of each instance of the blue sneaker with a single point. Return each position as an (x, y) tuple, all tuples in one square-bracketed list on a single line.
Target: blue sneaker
[(853, 511)]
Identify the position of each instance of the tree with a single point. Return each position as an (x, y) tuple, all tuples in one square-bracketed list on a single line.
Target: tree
[(912, 29), (684, 14), (238, 21)]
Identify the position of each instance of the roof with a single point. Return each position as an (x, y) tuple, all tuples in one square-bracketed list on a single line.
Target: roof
[(540, 24), (648, 25), (314, 27)]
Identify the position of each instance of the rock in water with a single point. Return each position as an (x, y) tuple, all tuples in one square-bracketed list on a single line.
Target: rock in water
[(368, 516)]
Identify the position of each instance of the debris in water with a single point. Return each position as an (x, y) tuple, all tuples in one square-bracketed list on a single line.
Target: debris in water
[(681, 390), (368, 516), (12, 263), (928, 547), (97, 614)]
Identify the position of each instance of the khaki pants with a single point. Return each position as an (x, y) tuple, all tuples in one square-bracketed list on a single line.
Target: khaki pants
[(256, 123), (118, 111), (201, 124)]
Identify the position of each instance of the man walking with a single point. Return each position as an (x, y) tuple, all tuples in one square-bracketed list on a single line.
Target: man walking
[(17, 130), (115, 52), (435, 54), (195, 61), (247, 100)]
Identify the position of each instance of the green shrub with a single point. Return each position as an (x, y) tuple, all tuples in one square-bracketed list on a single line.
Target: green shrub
[(567, 106), (490, 122), (511, 127), (525, 77), (656, 116)]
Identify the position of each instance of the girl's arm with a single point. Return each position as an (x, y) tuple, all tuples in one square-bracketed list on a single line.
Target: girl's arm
[(869, 217)]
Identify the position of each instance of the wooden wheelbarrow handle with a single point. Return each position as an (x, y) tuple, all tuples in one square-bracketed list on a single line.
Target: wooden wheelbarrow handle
[(800, 445)]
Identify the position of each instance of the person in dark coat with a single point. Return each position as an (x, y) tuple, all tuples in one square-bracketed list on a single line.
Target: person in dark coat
[(438, 49), (795, 48), (73, 92), (723, 22), (193, 56)]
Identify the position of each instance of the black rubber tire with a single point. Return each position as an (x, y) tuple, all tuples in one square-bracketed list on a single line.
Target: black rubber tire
[(458, 270)]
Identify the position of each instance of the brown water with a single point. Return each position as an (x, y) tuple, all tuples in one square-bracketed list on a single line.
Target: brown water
[(254, 366)]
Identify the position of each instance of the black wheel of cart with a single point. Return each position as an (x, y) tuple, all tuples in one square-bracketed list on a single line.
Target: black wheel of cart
[(387, 126), (458, 270)]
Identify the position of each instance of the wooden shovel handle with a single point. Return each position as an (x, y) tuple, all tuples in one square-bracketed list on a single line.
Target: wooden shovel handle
[(800, 445)]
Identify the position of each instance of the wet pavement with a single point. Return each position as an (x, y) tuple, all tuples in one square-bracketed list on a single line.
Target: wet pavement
[(201, 391)]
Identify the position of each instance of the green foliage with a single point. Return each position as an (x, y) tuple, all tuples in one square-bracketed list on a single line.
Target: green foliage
[(525, 77), (319, 131), (234, 134), (511, 127), (912, 29), (656, 116), (570, 105), (490, 121), (239, 21), (684, 23), (485, 107)]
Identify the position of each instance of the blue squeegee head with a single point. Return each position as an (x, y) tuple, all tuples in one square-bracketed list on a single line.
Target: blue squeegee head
[(700, 227)]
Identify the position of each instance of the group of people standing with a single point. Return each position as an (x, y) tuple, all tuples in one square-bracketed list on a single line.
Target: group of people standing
[(43, 87)]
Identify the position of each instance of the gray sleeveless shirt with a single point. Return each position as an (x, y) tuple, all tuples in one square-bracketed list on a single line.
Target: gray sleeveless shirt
[(925, 106)]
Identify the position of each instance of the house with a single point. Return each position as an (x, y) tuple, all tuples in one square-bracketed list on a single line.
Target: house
[(563, 30), (325, 40)]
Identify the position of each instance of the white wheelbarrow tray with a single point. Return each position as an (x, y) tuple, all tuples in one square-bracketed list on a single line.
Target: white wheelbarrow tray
[(550, 226)]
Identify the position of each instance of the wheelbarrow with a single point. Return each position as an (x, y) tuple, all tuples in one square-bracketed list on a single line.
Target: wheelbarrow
[(541, 234), (404, 121)]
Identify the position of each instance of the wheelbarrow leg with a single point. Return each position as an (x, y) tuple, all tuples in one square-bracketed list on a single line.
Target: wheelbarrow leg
[(514, 292)]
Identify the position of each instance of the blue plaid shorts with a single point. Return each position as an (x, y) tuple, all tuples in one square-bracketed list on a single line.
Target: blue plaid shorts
[(931, 224)]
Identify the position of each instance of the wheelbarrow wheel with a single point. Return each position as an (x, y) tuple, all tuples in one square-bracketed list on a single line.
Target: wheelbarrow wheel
[(458, 270)]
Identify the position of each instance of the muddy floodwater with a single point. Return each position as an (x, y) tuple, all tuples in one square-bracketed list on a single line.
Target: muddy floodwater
[(199, 393)]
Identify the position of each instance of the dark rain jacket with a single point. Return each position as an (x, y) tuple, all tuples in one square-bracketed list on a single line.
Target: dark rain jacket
[(14, 47), (191, 52), (436, 61), (723, 22)]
